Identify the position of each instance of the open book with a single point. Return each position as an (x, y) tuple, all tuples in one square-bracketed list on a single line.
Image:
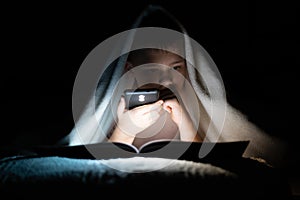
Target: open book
[(158, 148)]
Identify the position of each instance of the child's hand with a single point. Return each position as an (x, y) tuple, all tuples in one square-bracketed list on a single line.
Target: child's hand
[(132, 122), (182, 119), (173, 107)]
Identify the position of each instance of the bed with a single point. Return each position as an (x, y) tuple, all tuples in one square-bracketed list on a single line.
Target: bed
[(28, 175)]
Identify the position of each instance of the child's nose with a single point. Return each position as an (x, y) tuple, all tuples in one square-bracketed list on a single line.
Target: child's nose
[(165, 78)]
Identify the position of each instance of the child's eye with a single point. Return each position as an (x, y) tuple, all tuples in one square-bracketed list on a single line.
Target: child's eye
[(176, 67)]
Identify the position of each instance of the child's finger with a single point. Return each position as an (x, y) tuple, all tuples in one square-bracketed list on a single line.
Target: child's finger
[(121, 106)]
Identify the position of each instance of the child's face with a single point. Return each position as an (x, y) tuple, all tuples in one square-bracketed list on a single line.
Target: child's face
[(171, 71)]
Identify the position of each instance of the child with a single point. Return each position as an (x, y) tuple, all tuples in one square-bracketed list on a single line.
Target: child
[(199, 112), (140, 124)]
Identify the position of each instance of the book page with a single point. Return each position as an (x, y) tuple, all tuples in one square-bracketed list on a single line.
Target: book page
[(190, 150), (165, 141), (156, 144), (127, 147)]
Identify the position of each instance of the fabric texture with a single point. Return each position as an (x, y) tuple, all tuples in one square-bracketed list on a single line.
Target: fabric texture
[(28, 177)]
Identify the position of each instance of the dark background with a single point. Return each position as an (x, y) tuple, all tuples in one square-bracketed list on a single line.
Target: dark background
[(254, 44)]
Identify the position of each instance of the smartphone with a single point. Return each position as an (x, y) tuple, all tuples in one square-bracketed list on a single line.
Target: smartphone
[(138, 97)]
